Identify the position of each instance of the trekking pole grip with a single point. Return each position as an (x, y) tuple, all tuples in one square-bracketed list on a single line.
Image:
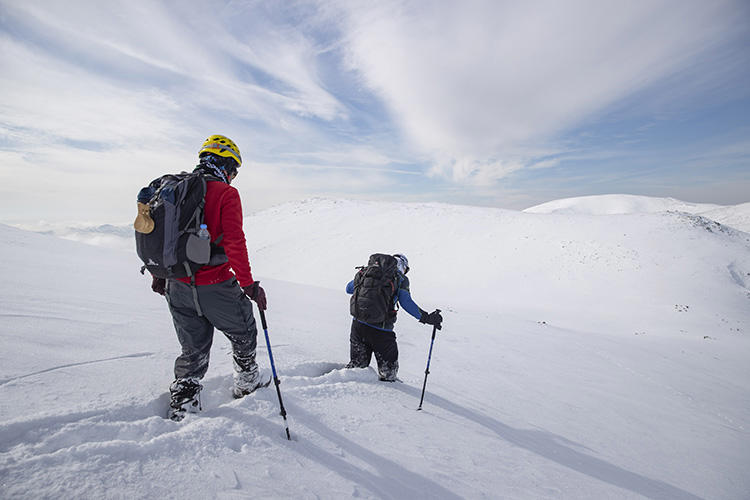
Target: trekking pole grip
[(263, 319), (434, 327), (262, 315)]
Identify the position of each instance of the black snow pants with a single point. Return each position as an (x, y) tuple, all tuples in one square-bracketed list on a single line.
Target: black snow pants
[(223, 306), (365, 340)]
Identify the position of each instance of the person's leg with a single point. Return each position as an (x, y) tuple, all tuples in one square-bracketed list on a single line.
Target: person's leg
[(228, 308), (386, 354), (194, 332), (360, 351)]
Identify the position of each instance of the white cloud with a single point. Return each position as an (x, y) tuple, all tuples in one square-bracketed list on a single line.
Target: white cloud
[(190, 52), (479, 172), (52, 101), (266, 184), (471, 81), (99, 97)]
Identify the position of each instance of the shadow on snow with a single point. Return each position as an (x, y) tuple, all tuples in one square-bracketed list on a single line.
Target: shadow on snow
[(551, 447)]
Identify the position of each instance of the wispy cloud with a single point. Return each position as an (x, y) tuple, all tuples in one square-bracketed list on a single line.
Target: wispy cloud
[(141, 84), (473, 81), (410, 99), (185, 51)]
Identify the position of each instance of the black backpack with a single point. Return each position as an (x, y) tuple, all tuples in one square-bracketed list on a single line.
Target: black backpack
[(171, 247), (375, 288)]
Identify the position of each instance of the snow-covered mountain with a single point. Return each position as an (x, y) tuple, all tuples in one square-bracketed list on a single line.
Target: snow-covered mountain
[(609, 204), (582, 356), (737, 216), (549, 266), (102, 235)]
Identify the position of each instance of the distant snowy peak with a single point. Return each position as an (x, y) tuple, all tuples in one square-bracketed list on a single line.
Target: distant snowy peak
[(736, 216), (612, 204), (104, 235)]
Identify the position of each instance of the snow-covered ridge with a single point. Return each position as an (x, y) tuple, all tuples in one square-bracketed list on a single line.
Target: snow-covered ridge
[(118, 236), (609, 204), (560, 254), (737, 216), (494, 259)]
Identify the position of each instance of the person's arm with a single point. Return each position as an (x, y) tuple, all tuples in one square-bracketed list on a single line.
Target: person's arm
[(234, 237), (404, 298)]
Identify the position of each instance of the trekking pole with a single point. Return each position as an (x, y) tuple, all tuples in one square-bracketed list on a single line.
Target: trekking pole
[(427, 370), (273, 369)]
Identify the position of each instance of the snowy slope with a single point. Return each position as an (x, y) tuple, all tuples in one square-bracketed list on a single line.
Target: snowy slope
[(546, 267), (582, 357), (736, 216), (609, 204)]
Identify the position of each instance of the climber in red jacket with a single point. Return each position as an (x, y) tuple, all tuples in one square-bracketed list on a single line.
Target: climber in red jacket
[(220, 295)]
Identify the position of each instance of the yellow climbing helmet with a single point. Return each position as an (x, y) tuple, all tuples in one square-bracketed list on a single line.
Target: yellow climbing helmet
[(222, 146)]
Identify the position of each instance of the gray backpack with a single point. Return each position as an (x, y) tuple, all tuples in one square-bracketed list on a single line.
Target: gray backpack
[(375, 288), (171, 246)]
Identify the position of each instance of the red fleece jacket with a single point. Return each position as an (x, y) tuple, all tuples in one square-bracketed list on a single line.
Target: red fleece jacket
[(223, 215)]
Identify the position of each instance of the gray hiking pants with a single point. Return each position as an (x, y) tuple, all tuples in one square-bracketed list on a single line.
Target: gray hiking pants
[(225, 307)]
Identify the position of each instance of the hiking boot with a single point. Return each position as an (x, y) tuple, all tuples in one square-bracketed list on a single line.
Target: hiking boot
[(387, 371), (352, 364), (247, 382), (246, 375), (184, 397)]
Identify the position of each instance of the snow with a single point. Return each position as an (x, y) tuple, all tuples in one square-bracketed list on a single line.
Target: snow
[(583, 356), (609, 204), (736, 216)]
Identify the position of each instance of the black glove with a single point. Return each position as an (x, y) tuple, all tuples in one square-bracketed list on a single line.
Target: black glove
[(432, 318), (256, 293), (158, 285)]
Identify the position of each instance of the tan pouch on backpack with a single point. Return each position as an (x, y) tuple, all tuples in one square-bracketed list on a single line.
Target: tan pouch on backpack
[(143, 221)]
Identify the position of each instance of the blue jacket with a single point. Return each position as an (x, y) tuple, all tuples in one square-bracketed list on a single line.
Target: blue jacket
[(403, 297)]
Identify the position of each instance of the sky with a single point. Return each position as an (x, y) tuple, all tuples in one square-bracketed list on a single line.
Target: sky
[(490, 103)]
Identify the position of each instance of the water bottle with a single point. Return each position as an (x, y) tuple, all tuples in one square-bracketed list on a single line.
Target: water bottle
[(198, 246), (203, 232)]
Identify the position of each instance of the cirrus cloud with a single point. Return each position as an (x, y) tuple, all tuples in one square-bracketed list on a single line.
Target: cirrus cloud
[(477, 80)]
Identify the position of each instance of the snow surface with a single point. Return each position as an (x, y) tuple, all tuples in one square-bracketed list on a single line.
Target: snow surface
[(609, 204), (736, 216), (582, 356)]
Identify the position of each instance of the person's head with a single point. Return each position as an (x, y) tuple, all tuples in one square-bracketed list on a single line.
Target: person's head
[(224, 154), (402, 263)]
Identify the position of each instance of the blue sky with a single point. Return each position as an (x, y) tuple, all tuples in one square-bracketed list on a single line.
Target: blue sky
[(493, 103)]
